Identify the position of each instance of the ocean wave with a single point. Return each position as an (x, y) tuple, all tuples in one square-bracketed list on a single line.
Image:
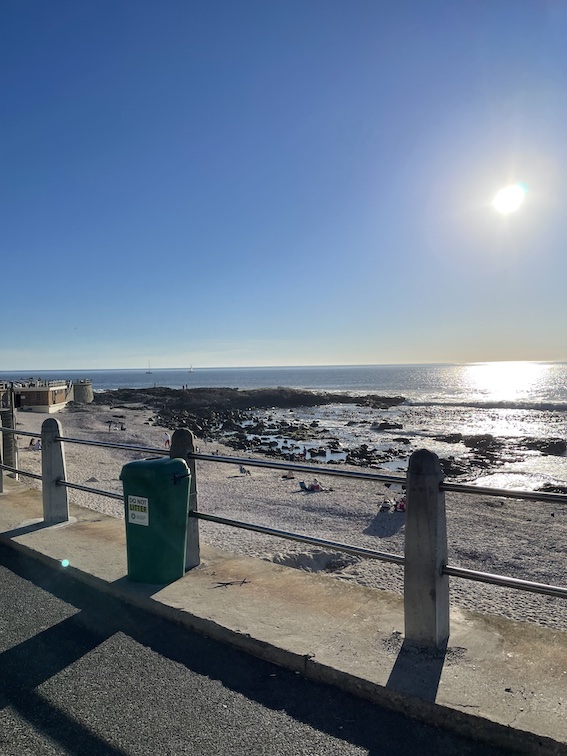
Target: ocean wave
[(510, 405)]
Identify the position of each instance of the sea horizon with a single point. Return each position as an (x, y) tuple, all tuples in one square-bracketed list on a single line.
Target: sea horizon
[(144, 368), (541, 384)]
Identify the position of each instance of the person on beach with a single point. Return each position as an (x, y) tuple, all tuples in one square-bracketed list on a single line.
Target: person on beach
[(31, 444), (167, 440)]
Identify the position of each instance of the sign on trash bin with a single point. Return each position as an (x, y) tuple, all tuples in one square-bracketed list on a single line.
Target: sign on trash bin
[(138, 510)]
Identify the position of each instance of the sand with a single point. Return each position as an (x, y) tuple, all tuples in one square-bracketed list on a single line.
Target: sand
[(505, 536)]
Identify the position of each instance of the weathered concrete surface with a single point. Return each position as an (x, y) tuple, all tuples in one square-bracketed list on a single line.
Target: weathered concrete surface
[(499, 681)]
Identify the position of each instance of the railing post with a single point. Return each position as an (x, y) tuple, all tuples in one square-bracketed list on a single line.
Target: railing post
[(9, 440), (183, 445), (55, 501), (426, 589)]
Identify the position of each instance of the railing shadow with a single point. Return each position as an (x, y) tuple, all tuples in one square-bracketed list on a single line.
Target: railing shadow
[(417, 671), (29, 664), (324, 708), (29, 528)]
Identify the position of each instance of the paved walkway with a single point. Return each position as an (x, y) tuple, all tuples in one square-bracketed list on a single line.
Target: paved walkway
[(84, 674), (500, 682)]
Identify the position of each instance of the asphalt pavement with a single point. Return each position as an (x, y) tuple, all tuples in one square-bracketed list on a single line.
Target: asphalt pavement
[(83, 673)]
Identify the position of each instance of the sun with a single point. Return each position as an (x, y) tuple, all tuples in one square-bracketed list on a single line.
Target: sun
[(509, 199)]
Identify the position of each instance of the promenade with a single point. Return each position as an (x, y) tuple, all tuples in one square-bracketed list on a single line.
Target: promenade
[(502, 685)]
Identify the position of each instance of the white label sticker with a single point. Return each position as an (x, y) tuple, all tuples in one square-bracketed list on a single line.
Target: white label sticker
[(138, 510)]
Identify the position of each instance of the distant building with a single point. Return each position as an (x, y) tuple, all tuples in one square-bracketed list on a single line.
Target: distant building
[(36, 395)]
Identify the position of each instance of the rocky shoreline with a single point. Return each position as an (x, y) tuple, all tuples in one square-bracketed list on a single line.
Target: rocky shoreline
[(241, 420)]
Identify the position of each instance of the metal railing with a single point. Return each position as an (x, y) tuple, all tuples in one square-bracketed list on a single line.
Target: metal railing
[(425, 488)]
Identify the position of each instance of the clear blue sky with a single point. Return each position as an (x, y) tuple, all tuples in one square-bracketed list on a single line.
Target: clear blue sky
[(235, 183)]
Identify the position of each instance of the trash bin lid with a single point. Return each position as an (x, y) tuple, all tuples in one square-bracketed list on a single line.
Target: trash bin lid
[(154, 469)]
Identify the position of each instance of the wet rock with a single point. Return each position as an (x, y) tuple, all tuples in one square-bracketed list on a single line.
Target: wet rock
[(381, 402), (552, 446), (449, 438), (551, 488), (385, 425), (452, 467), (320, 452), (362, 455), (483, 441)]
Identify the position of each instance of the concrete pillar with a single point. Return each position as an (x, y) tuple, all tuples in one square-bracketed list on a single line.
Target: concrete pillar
[(426, 589), (55, 502), (9, 441), (182, 445)]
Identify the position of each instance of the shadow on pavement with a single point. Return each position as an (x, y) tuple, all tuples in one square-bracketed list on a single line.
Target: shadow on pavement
[(417, 672), (377, 731)]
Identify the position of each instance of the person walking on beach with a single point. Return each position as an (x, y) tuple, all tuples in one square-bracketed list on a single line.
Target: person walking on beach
[(167, 440)]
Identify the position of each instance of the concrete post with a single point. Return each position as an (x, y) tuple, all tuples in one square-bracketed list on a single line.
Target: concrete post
[(9, 440), (183, 445), (426, 589), (55, 503)]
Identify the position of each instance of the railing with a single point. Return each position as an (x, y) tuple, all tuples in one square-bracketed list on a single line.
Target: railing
[(426, 571)]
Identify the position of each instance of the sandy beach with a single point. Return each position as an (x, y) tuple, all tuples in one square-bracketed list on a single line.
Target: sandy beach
[(506, 536)]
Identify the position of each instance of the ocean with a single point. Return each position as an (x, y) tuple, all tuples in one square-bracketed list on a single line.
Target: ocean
[(510, 400)]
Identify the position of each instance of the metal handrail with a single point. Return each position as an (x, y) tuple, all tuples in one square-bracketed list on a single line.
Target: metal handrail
[(355, 550), (21, 472), (504, 493), (110, 445), (484, 577), (19, 432), (98, 491), (295, 467), (506, 582)]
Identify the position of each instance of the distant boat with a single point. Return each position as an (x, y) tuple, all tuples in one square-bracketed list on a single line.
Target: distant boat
[(149, 370), (190, 369)]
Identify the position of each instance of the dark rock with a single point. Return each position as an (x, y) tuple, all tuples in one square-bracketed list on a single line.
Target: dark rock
[(553, 446), (450, 438), (550, 488), (452, 467), (385, 425), (483, 441), (320, 452)]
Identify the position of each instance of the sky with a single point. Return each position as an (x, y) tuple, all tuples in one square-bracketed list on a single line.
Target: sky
[(293, 182)]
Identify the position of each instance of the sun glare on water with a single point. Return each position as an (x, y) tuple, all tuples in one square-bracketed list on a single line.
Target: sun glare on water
[(505, 381), (509, 199)]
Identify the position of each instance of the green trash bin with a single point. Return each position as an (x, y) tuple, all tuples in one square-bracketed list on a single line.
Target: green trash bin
[(156, 500)]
